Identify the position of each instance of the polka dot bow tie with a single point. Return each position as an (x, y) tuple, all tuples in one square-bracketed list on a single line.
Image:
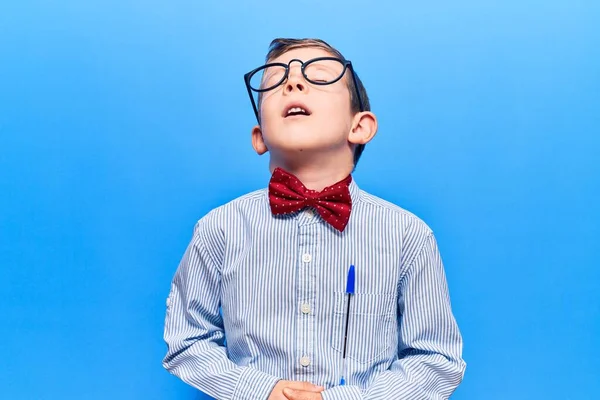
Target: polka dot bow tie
[(287, 194)]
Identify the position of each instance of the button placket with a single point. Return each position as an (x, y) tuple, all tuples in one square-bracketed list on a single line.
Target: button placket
[(308, 216), (306, 264), (305, 361)]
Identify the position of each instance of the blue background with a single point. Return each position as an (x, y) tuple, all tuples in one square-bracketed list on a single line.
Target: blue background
[(119, 119)]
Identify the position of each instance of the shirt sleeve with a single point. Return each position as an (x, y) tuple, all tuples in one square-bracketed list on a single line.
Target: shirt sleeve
[(429, 364), (194, 331)]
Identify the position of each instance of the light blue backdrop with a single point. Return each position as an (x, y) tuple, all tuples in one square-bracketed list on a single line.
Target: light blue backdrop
[(119, 118)]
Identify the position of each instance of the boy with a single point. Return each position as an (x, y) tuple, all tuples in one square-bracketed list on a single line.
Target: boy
[(269, 271)]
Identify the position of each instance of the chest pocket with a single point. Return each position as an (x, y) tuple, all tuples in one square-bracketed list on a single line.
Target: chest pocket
[(371, 325)]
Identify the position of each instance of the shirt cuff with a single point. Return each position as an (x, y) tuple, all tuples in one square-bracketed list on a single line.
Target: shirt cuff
[(254, 385), (342, 393)]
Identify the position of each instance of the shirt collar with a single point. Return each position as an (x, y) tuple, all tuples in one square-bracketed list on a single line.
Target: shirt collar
[(354, 192)]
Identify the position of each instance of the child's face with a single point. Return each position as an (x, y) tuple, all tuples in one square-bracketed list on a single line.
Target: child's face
[(329, 122)]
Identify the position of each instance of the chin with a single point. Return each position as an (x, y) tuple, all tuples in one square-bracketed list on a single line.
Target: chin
[(298, 147), (300, 136)]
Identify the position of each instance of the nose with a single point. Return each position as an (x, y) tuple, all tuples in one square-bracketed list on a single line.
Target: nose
[(295, 80)]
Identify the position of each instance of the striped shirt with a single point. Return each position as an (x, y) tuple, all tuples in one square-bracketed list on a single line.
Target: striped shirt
[(257, 298)]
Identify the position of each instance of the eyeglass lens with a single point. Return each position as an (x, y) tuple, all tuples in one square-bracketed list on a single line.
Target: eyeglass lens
[(317, 72)]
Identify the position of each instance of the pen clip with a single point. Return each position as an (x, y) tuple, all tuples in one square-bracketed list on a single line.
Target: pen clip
[(350, 281)]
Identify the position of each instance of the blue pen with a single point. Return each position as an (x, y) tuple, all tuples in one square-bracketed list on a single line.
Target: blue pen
[(349, 293)]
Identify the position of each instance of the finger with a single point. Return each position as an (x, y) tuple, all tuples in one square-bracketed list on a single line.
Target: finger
[(306, 386), (293, 394)]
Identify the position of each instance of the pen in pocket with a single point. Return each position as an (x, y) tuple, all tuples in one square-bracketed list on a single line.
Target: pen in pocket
[(349, 292)]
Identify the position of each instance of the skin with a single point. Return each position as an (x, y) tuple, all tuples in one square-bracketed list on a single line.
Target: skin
[(293, 390), (317, 148)]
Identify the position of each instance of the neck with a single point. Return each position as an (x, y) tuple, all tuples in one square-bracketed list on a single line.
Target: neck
[(315, 176)]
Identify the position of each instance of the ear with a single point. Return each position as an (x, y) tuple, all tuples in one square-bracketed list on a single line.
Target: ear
[(364, 128), (258, 142)]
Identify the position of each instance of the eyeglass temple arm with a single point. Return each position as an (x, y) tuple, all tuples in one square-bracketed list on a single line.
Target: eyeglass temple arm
[(360, 103)]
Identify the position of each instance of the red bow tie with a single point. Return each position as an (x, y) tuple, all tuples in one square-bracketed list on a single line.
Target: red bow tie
[(287, 194)]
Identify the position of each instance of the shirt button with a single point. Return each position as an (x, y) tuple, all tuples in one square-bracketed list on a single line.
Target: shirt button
[(305, 361), (305, 308), (310, 213), (306, 257)]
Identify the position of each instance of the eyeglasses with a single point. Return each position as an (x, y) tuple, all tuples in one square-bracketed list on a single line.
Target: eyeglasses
[(317, 71)]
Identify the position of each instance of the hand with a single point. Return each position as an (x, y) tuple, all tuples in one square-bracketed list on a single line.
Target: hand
[(295, 389), (296, 394)]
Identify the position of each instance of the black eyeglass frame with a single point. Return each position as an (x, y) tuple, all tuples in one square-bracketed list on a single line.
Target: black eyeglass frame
[(346, 63)]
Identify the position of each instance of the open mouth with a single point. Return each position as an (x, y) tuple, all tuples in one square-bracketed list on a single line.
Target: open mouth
[(295, 110)]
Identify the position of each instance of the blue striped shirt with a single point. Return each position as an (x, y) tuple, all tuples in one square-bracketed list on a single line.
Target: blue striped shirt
[(257, 298)]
